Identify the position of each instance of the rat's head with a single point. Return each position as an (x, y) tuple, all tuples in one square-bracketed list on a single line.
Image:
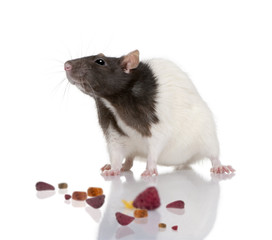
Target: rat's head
[(100, 75)]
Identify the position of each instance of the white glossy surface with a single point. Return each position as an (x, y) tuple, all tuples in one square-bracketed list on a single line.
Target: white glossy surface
[(49, 132), (237, 206)]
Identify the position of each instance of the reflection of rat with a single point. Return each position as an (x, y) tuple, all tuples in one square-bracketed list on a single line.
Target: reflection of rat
[(201, 197), (148, 109)]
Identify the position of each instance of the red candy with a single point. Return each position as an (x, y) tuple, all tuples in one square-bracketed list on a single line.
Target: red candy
[(175, 228), (67, 196), (96, 202), (42, 186), (123, 219), (176, 204), (148, 199)]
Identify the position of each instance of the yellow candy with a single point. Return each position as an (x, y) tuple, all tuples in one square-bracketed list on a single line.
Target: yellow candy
[(162, 225), (140, 213), (128, 204)]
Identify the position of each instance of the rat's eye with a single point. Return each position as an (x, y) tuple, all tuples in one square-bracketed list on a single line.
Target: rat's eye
[(100, 61)]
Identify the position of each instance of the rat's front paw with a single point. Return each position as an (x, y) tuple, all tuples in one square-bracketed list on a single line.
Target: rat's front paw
[(222, 169), (111, 172), (150, 172)]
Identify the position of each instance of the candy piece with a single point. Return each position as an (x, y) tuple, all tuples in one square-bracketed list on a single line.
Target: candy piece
[(128, 204), (96, 202), (67, 196), (140, 213), (63, 185), (162, 225), (93, 191), (123, 219), (42, 186), (175, 204), (80, 196), (175, 228), (148, 199)]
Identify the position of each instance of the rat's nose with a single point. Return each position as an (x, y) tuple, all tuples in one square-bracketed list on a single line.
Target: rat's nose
[(67, 66)]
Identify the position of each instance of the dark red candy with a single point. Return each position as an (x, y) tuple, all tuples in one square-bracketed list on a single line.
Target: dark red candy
[(175, 204), (67, 196), (175, 228), (123, 219), (148, 199), (42, 186), (96, 202)]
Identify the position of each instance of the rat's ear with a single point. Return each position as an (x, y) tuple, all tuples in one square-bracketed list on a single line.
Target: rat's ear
[(130, 61)]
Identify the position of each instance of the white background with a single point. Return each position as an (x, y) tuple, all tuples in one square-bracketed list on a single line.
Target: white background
[(49, 130)]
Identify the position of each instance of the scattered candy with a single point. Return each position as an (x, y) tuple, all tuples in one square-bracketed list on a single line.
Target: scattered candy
[(96, 202), (67, 196), (93, 191), (123, 219), (162, 225), (148, 199), (140, 213), (42, 186), (63, 185), (80, 196), (175, 228), (128, 204), (175, 204)]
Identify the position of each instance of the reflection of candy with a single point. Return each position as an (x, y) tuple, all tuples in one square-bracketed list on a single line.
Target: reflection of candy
[(123, 219), (96, 202), (123, 232), (176, 204)]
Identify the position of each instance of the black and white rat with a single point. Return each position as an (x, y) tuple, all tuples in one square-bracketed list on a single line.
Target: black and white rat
[(148, 109)]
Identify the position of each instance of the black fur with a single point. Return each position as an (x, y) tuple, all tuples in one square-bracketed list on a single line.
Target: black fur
[(133, 94), (106, 118), (136, 103)]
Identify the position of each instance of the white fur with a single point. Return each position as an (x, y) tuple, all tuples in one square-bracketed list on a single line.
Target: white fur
[(131, 146), (185, 132), (184, 116)]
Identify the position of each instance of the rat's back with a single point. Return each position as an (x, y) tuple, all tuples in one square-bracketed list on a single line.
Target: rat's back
[(184, 118)]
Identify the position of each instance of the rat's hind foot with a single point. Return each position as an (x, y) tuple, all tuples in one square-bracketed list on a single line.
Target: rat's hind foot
[(222, 169), (127, 165), (218, 168)]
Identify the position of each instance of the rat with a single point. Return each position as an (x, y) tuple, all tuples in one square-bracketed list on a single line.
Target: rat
[(148, 109)]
